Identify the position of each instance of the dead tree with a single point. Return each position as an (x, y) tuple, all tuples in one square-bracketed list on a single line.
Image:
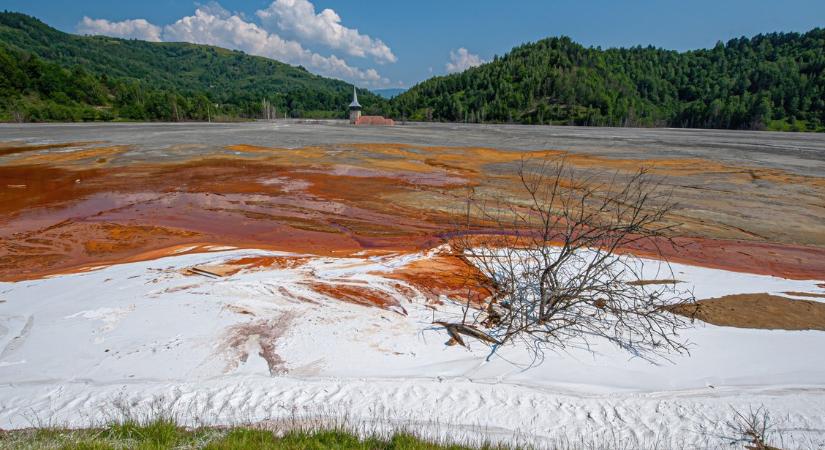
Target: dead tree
[(754, 429), (558, 258)]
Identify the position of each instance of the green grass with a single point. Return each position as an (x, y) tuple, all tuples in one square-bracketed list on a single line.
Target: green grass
[(795, 126), (166, 434)]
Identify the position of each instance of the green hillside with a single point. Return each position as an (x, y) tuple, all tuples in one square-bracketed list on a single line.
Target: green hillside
[(773, 81), (46, 74)]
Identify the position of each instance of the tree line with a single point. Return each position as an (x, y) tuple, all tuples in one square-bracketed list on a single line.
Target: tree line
[(770, 81)]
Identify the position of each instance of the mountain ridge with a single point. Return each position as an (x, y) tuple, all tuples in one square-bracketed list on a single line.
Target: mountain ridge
[(238, 83)]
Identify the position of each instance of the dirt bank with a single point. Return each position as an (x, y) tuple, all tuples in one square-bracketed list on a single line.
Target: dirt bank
[(763, 311)]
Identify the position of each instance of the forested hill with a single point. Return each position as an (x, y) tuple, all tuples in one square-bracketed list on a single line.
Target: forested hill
[(773, 81), (46, 74)]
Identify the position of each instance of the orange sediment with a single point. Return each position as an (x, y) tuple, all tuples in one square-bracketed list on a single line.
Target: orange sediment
[(794, 262), (91, 206), (360, 295), (10, 148), (446, 275)]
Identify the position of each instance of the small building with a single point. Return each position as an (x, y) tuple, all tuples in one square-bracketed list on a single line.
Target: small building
[(354, 108)]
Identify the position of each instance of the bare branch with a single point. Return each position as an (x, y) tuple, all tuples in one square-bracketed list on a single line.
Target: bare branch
[(560, 263)]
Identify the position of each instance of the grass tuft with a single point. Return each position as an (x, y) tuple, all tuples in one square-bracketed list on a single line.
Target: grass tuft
[(160, 433), (164, 433), (88, 445), (243, 438)]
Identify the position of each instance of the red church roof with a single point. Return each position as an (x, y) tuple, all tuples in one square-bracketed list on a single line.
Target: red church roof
[(374, 120)]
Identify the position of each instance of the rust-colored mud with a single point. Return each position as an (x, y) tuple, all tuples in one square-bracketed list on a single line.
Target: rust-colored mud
[(90, 157), (68, 246), (77, 205), (446, 275), (251, 263), (763, 258), (269, 262), (26, 187), (763, 311), (360, 295), (10, 148), (126, 238)]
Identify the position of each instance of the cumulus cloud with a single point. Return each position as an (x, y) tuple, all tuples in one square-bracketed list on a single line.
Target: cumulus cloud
[(461, 60), (127, 29), (215, 26), (211, 24), (298, 18)]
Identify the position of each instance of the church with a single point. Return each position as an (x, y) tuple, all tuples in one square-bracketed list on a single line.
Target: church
[(355, 117)]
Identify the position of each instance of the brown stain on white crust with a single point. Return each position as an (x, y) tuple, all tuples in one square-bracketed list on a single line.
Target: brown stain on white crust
[(261, 332)]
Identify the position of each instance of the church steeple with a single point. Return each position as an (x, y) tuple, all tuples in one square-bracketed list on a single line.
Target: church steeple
[(354, 104), (354, 108), (356, 118)]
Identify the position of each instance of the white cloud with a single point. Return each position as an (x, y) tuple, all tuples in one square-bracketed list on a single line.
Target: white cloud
[(211, 24), (298, 18), (461, 60), (215, 27), (127, 29)]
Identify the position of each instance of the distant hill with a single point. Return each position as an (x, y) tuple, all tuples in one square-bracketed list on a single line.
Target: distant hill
[(51, 75), (389, 92), (773, 81)]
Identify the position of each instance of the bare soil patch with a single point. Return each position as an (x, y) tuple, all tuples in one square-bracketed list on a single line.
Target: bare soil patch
[(763, 311), (805, 294), (652, 282)]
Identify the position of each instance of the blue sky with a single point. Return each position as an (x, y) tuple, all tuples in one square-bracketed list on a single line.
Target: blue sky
[(403, 42)]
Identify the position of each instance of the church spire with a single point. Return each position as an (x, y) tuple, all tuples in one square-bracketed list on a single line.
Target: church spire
[(354, 103)]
